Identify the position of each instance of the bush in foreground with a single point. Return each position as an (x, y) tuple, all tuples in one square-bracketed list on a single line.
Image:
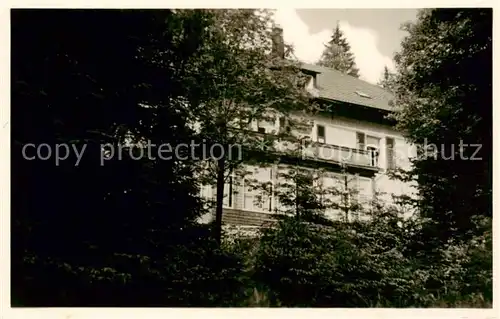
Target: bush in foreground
[(365, 264)]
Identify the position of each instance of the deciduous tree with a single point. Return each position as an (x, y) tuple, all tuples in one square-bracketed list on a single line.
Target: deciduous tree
[(241, 79)]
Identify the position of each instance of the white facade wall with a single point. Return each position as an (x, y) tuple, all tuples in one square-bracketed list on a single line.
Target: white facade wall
[(339, 131)]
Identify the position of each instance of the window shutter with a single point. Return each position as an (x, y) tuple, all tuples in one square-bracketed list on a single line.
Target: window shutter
[(389, 142), (360, 140)]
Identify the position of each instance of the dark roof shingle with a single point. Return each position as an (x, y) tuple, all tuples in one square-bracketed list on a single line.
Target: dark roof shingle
[(334, 85)]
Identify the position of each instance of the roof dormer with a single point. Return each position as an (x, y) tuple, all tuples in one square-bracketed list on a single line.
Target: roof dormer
[(312, 85)]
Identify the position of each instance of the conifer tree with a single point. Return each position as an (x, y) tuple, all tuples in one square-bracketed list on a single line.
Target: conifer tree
[(387, 79), (337, 54)]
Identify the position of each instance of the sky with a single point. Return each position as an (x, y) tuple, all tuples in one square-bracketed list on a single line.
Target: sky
[(373, 34)]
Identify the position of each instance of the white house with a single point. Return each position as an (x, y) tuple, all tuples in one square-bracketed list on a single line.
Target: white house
[(352, 130)]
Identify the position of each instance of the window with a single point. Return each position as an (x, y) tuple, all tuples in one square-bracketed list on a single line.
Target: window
[(246, 125), (373, 145), (362, 94), (370, 144), (365, 189), (321, 134), (262, 130), (359, 191), (303, 183), (254, 198), (340, 188), (372, 141), (284, 125), (389, 142), (227, 201), (209, 192), (318, 184), (282, 122), (373, 153)]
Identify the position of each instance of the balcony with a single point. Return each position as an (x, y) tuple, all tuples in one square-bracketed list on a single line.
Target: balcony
[(340, 154), (327, 153)]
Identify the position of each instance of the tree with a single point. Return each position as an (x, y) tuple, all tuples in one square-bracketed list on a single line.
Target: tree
[(387, 79), (238, 82), (299, 194), (337, 54), (303, 193), (94, 230), (303, 261), (444, 91)]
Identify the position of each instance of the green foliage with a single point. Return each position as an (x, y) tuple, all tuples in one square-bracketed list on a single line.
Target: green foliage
[(306, 265), (365, 264), (79, 221), (296, 193), (189, 272), (387, 79), (237, 80), (444, 93), (337, 54)]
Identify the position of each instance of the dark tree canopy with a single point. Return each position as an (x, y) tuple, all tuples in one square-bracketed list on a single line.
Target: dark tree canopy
[(444, 87), (79, 77)]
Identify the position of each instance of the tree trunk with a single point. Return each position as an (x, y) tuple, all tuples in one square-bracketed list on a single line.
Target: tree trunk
[(346, 197), (297, 203), (221, 163)]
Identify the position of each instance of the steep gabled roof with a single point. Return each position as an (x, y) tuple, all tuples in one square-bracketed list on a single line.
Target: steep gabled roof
[(334, 85)]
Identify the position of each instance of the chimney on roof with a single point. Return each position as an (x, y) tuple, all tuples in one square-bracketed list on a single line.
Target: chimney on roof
[(278, 42)]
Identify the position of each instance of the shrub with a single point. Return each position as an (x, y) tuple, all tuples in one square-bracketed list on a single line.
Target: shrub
[(191, 270), (306, 265), (366, 264)]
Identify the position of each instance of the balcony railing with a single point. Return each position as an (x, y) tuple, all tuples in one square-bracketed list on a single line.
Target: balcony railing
[(319, 151), (341, 154)]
